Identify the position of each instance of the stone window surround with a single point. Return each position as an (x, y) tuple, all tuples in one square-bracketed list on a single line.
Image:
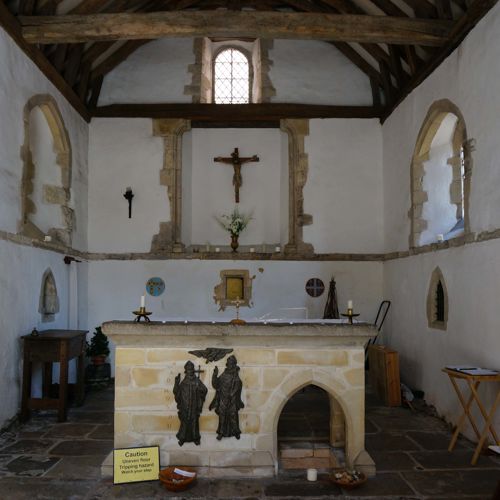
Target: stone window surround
[(169, 238), (58, 195), (437, 277), (200, 88), (435, 116)]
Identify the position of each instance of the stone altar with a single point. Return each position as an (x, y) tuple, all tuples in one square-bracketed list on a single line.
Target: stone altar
[(276, 360)]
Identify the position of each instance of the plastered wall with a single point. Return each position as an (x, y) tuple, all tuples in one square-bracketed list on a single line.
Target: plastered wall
[(469, 79), (343, 192), (22, 267), (302, 71)]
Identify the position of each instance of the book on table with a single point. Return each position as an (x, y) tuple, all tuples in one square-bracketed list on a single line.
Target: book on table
[(473, 370)]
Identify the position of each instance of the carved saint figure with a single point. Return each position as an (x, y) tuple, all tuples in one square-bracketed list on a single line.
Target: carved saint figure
[(227, 401), (189, 395)]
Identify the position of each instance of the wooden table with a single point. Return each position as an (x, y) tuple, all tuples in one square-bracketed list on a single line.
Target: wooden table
[(52, 346), (473, 382)]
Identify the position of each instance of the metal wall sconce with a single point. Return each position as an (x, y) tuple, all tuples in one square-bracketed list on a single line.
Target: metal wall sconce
[(128, 196)]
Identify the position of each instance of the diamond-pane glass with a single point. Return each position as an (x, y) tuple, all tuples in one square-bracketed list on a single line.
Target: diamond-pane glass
[(231, 78)]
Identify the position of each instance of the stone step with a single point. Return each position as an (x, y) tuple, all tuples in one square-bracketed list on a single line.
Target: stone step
[(300, 455)]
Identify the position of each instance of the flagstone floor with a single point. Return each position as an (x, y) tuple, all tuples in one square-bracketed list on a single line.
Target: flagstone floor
[(43, 459)]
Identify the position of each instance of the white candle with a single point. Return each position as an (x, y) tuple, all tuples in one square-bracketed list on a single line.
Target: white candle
[(217, 249), (312, 474), (349, 304), (278, 249), (440, 237), (252, 249), (143, 301)]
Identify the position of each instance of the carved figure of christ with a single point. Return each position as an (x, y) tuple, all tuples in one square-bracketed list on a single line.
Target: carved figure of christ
[(237, 163)]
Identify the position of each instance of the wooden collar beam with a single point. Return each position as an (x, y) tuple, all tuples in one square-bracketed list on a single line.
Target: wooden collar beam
[(281, 25), (236, 113)]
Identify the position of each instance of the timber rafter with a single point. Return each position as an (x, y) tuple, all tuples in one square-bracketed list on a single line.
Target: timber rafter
[(395, 43)]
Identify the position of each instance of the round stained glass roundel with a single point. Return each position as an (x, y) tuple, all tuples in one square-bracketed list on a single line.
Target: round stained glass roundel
[(315, 287), (155, 286)]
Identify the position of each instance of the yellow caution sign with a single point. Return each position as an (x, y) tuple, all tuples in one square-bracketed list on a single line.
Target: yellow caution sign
[(131, 465)]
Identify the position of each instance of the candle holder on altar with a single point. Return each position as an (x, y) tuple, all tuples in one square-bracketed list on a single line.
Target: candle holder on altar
[(350, 314), (237, 320), (142, 314)]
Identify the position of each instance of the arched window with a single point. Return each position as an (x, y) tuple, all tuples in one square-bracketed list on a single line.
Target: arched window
[(437, 301), (231, 77), (441, 167), (46, 181)]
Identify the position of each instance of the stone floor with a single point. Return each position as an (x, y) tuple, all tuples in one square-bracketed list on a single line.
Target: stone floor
[(46, 460)]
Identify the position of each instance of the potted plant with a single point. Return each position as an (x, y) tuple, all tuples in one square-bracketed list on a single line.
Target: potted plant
[(98, 349), (234, 223)]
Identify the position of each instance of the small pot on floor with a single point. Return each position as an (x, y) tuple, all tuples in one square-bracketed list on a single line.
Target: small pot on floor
[(99, 359)]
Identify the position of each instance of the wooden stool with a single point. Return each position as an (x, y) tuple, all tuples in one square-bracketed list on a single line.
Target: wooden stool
[(52, 346), (473, 381)]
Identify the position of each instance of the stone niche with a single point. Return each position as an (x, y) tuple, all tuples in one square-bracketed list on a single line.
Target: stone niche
[(276, 361)]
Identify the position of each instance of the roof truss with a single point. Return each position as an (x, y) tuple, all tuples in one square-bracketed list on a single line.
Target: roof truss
[(395, 43)]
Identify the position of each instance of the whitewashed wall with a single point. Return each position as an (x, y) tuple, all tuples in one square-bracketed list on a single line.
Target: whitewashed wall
[(469, 78), (344, 189), (308, 71), (212, 191), (302, 71), (115, 288), (22, 267), (155, 72), (124, 153)]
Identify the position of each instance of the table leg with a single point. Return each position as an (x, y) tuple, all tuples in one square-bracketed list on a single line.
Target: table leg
[(487, 426), (63, 383), (484, 413), (466, 406), (80, 387), (26, 396)]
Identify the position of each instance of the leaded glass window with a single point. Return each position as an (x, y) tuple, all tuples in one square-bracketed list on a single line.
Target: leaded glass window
[(231, 78)]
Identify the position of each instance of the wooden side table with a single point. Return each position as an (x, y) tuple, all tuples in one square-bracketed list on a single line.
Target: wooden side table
[(473, 382), (48, 347)]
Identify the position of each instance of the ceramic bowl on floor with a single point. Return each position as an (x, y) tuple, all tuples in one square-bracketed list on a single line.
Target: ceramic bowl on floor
[(348, 479), (177, 478)]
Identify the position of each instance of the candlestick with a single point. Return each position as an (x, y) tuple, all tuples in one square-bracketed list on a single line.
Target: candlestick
[(350, 312), (142, 314)]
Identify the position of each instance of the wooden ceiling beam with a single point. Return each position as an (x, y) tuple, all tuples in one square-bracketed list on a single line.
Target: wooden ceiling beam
[(287, 25), (13, 29), (234, 112), (422, 8), (476, 11)]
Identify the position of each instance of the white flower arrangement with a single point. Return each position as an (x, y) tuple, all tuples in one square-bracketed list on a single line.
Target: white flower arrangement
[(235, 222)]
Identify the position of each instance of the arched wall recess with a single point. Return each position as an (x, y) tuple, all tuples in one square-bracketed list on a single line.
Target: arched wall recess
[(460, 162), (437, 301), (55, 194), (49, 300)]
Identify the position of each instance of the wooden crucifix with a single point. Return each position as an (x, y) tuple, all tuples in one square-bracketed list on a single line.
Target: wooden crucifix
[(237, 163)]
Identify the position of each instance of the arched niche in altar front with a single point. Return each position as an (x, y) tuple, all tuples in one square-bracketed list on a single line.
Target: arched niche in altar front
[(200, 190)]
